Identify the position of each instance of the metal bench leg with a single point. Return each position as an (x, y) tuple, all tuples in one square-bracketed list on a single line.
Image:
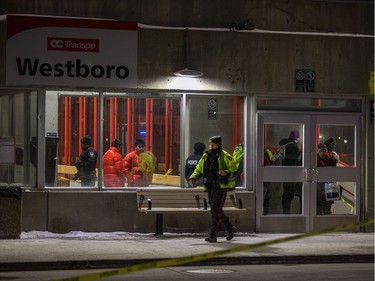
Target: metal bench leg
[(159, 225)]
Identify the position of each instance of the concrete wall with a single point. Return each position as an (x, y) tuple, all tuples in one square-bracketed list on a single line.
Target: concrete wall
[(10, 210), (108, 211), (236, 61), (307, 15), (260, 62)]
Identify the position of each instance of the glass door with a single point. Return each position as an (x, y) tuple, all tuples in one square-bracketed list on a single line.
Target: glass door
[(336, 181), (295, 186)]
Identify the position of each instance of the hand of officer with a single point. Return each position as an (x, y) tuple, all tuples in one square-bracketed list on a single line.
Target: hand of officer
[(222, 173), (191, 182)]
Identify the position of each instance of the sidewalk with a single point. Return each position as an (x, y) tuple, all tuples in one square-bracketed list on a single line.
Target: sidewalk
[(78, 250)]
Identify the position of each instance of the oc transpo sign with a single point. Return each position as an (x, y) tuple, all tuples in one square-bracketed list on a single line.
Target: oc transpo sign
[(71, 52), (72, 44)]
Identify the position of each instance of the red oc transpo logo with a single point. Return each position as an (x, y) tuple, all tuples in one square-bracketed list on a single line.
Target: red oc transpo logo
[(72, 44)]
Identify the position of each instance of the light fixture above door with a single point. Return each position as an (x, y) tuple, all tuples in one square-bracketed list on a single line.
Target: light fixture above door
[(186, 72)]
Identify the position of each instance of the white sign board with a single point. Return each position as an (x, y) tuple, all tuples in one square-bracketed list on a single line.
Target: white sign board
[(62, 51)]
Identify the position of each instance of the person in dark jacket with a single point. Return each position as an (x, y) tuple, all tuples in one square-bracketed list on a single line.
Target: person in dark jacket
[(86, 164), (293, 155), (113, 167), (324, 159), (192, 161)]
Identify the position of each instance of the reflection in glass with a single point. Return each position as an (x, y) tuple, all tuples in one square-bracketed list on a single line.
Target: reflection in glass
[(291, 190), (283, 143), (282, 198), (341, 140)]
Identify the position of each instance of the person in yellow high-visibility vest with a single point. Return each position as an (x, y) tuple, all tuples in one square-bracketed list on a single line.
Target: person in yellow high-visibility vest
[(216, 167)]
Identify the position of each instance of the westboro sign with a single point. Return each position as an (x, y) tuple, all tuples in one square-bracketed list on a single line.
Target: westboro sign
[(71, 52)]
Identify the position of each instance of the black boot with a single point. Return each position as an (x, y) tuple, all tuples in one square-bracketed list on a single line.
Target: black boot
[(230, 232), (211, 239)]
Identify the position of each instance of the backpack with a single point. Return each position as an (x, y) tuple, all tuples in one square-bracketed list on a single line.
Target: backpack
[(280, 152)]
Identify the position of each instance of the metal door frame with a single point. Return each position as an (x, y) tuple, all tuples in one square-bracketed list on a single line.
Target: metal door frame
[(307, 221)]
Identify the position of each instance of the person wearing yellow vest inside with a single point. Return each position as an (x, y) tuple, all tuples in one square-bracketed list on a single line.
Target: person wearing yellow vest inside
[(216, 167), (238, 158)]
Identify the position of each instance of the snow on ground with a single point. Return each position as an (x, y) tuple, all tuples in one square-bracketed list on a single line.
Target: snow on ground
[(82, 235), (106, 235)]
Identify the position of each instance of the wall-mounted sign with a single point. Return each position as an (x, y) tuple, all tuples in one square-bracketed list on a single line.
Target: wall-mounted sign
[(305, 80), (62, 51)]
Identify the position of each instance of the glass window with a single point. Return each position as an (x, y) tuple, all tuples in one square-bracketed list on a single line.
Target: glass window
[(338, 142), (77, 128), (283, 144), (209, 116), (336, 198), (141, 135), (148, 127), (309, 104), (18, 131), (335, 148), (282, 198), (141, 138)]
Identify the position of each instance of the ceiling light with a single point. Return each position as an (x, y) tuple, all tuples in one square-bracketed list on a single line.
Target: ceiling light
[(188, 73)]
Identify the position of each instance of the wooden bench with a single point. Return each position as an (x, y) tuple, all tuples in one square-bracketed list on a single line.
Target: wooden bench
[(162, 201)]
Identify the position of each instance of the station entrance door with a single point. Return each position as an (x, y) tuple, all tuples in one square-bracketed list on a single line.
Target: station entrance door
[(298, 190)]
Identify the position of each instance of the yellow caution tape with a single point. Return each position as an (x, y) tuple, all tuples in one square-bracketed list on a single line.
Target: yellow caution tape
[(210, 255)]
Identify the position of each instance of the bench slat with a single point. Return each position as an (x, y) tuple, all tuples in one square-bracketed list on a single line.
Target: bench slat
[(180, 198), (187, 210)]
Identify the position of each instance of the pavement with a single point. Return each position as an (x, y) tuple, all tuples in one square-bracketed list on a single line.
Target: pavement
[(78, 250)]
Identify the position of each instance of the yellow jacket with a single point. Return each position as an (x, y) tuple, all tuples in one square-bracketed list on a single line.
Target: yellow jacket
[(225, 162)]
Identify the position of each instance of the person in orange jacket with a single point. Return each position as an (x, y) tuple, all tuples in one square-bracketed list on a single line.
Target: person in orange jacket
[(113, 168), (134, 166)]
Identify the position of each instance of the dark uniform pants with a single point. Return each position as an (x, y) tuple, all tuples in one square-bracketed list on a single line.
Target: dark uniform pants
[(219, 221), (88, 180)]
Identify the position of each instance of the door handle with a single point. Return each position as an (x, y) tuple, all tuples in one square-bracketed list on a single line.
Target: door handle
[(311, 175)]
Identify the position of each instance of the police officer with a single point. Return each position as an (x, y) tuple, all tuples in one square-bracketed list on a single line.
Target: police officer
[(217, 168), (192, 162), (87, 163)]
